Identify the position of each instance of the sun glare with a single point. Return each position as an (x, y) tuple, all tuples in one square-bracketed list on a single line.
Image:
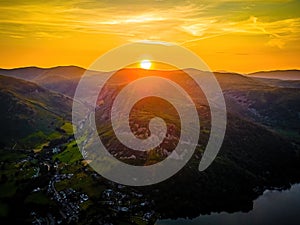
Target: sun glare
[(146, 64)]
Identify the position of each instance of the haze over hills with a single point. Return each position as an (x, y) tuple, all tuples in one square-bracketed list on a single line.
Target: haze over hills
[(277, 74), (62, 79), (279, 83)]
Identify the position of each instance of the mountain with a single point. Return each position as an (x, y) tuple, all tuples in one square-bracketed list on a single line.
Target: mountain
[(251, 159), (61, 79), (278, 74), (275, 105), (232, 81), (245, 95), (31, 114), (248, 96), (261, 149)]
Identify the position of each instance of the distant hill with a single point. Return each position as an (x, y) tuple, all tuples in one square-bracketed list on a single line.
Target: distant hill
[(62, 79), (230, 81), (279, 83), (30, 115), (278, 74)]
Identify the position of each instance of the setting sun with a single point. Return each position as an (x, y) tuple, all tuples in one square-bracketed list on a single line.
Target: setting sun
[(145, 64)]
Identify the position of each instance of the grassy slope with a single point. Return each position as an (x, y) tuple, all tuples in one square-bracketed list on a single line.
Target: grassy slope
[(31, 114), (256, 100)]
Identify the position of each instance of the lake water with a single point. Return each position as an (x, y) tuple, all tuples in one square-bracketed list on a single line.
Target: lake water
[(273, 207)]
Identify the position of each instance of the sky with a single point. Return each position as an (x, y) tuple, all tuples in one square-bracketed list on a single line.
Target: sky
[(229, 35)]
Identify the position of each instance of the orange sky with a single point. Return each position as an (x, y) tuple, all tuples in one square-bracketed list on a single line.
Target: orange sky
[(231, 35)]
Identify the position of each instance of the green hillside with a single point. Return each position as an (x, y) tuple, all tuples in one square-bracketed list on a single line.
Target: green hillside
[(30, 115)]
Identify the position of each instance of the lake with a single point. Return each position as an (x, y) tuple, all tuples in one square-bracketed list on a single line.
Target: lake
[(273, 207)]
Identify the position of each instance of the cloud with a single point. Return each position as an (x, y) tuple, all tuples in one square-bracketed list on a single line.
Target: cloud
[(183, 22), (45, 18), (279, 32), (277, 43)]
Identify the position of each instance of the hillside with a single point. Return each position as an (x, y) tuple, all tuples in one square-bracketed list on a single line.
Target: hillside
[(61, 79), (272, 103), (232, 81), (279, 83), (31, 114), (260, 148), (245, 96)]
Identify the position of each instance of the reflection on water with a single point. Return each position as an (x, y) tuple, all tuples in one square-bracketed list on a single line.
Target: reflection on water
[(273, 207)]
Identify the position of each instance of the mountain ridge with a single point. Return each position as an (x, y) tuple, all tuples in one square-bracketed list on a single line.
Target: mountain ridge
[(217, 71), (291, 74)]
